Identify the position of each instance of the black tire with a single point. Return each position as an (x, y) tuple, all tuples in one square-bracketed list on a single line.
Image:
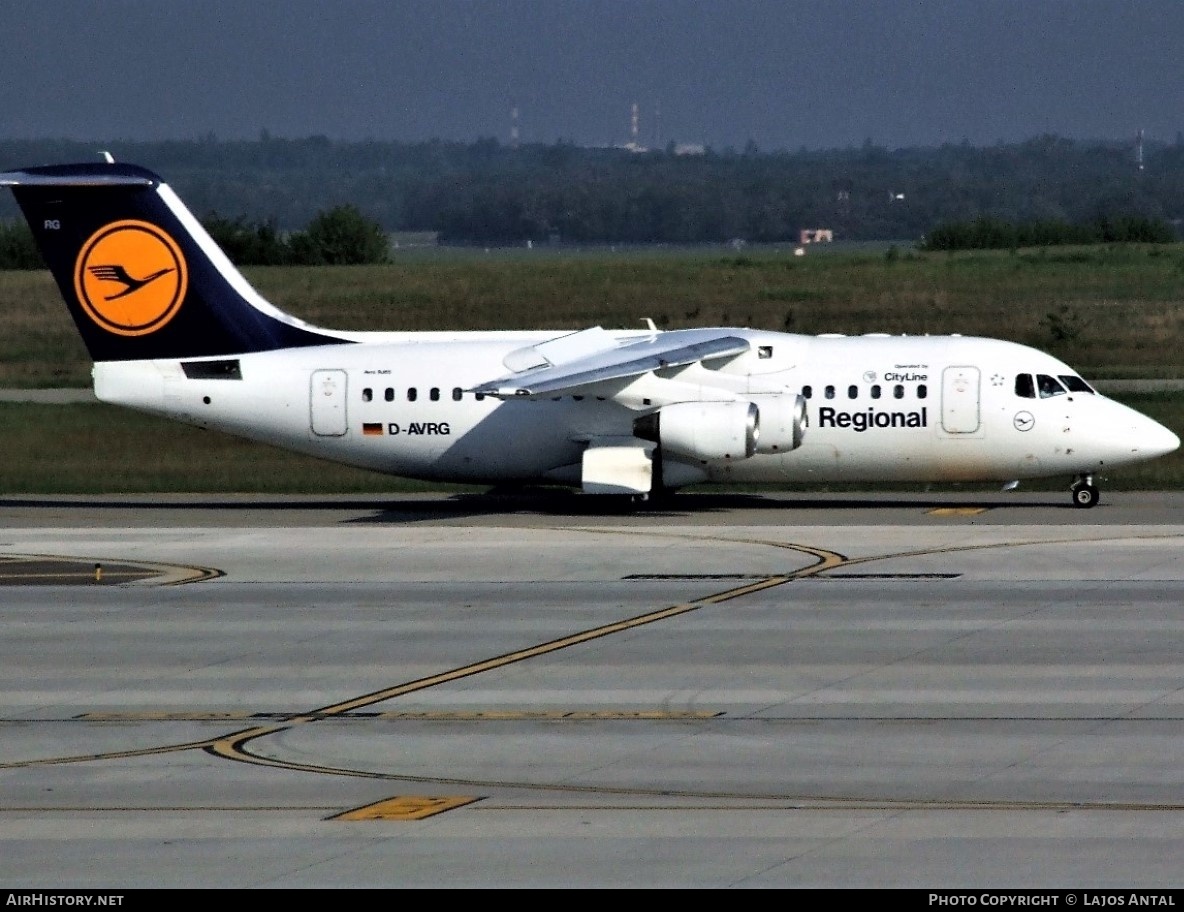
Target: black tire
[(1085, 496)]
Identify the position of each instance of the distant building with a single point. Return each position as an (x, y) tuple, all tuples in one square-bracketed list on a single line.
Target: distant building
[(404, 240), (816, 236)]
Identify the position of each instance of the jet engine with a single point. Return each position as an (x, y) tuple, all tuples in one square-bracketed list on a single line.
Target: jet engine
[(703, 430), (782, 423), (727, 430)]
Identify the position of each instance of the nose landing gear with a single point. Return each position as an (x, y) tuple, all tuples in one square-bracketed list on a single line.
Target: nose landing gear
[(1085, 492)]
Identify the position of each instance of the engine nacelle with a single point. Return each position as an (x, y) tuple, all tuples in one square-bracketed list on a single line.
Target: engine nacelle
[(703, 430), (783, 423)]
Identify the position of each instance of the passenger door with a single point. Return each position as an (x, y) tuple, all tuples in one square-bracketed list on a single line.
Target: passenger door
[(960, 400), (326, 403)]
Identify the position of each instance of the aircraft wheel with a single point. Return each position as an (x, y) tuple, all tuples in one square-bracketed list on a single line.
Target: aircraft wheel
[(1085, 495)]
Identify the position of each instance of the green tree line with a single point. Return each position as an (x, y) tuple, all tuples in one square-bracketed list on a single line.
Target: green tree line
[(341, 236), (996, 234), (487, 192)]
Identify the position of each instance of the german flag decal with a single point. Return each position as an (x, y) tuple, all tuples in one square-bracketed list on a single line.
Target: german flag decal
[(372, 430), (130, 278)]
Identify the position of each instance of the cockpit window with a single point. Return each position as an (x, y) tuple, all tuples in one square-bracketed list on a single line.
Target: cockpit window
[(1024, 387), (1049, 386), (1075, 384)]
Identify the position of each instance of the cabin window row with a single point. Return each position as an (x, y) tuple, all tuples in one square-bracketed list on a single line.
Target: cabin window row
[(875, 391), (412, 394)]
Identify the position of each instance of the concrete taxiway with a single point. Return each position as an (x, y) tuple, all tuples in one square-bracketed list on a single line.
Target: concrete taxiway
[(525, 691)]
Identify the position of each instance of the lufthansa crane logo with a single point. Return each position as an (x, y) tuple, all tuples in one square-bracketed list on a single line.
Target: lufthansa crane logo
[(130, 278)]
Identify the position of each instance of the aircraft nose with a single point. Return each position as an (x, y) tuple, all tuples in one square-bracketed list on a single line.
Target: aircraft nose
[(1150, 438)]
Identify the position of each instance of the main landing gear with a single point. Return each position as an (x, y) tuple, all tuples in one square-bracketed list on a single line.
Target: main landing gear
[(1085, 492)]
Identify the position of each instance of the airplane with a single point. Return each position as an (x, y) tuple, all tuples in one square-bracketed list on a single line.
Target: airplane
[(175, 330)]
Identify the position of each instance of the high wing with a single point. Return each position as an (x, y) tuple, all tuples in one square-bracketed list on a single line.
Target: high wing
[(581, 362)]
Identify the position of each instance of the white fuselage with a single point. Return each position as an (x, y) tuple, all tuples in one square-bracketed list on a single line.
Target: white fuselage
[(879, 408)]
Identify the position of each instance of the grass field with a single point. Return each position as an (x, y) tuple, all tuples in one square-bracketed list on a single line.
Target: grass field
[(1110, 312), (1107, 311)]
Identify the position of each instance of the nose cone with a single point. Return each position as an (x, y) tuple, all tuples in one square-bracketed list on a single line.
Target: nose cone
[(1152, 439), (1145, 438), (1127, 436)]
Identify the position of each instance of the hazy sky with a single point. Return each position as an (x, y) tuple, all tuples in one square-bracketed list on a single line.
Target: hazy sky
[(782, 73)]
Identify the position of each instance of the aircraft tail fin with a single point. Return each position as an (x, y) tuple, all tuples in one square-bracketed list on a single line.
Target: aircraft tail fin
[(141, 276)]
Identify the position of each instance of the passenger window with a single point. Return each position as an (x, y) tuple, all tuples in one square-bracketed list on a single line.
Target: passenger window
[(412, 394), (390, 394), (1049, 386), (1075, 384), (807, 392), (853, 391), (1024, 387), (922, 391), (367, 394), (435, 394), (456, 393), (830, 392), (898, 392), (875, 391)]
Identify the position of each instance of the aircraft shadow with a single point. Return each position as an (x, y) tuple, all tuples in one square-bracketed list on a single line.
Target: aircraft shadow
[(554, 502), (572, 504)]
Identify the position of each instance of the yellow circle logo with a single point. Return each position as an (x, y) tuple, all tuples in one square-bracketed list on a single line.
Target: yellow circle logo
[(130, 278)]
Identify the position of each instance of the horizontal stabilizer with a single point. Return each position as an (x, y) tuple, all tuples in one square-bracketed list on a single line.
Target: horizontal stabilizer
[(102, 175)]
